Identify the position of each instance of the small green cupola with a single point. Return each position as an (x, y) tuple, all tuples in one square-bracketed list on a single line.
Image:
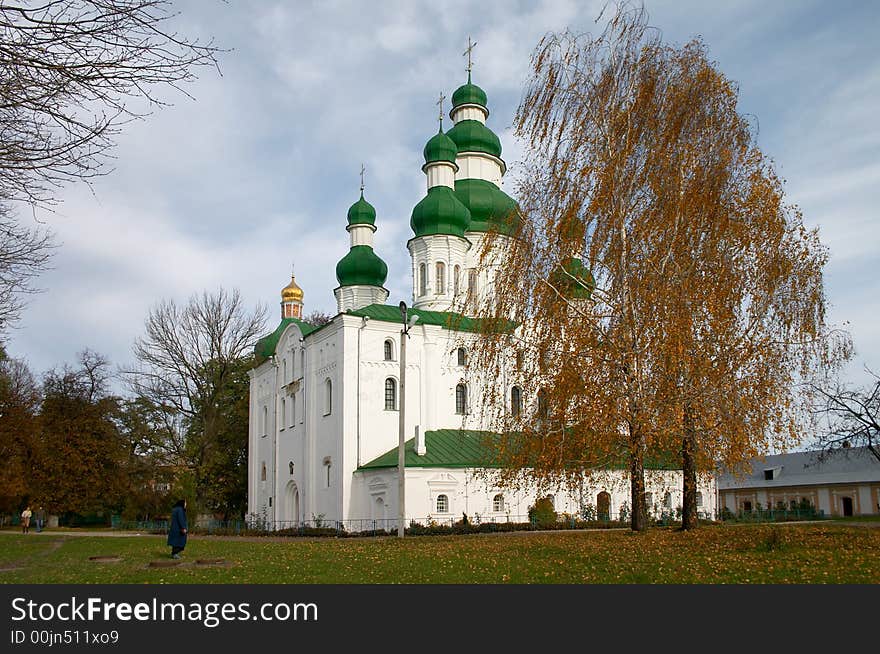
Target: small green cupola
[(440, 148), (440, 212), (360, 273), (469, 94), (361, 213), (573, 279), (361, 267)]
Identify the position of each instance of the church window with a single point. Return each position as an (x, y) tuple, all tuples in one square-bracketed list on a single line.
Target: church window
[(327, 467), (302, 362), (649, 502), (515, 401), (440, 279), (263, 473), (461, 399), (290, 465), (442, 504), (667, 500), (265, 421), (456, 280), (283, 413), (293, 410), (328, 397), (284, 371), (461, 353), (423, 279), (389, 350), (519, 360), (472, 282), (498, 503), (542, 404), (390, 394), (699, 499)]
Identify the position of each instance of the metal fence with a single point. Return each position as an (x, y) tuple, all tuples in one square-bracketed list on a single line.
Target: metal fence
[(773, 515)]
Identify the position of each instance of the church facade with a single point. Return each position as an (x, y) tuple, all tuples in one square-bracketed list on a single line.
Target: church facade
[(324, 400)]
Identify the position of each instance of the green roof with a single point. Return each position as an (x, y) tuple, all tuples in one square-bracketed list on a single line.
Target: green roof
[(440, 148), (474, 136), (446, 319), (467, 448), (491, 208), (469, 94), (440, 212), (362, 213), (265, 347), (361, 266), (444, 448)]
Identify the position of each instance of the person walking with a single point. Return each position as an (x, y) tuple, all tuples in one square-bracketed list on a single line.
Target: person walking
[(40, 517), (26, 520), (177, 530)]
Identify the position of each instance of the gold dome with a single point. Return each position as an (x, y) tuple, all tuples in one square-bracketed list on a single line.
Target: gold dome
[(292, 292)]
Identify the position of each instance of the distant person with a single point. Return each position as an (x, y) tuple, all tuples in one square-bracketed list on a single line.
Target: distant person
[(40, 518), (26, 520), (177, 530)]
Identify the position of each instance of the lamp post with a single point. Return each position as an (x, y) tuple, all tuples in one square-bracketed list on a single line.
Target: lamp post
[(401, 428)]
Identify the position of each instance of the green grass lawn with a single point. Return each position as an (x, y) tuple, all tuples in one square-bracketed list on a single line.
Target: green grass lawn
[(785, 553)]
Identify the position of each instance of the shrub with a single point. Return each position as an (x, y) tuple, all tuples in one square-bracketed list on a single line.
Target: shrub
[(542, 513)]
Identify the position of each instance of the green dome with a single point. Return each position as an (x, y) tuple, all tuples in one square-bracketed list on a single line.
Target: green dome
[(474, 136), (361, 267), (468, 94), (440, 212), (361, 213), (491, 208), (581, 287), (440, 148)]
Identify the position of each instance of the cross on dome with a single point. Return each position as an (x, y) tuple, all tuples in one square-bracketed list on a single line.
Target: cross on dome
[(363, 170), (469, 52), (440, 104)]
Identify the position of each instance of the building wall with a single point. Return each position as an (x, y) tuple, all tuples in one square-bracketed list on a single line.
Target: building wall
[(827, 498)]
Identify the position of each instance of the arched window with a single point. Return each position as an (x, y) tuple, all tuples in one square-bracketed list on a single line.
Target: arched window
[(284, 371), (456, 280), (265, 429), (327, 467), (283, 413), (440, 279), (498, 503), (442, 504), (389, 350), (542, 404), (263, 472), (519, 360), (293, 410), (423, 279), (328, 397), (390, 394), (667, 500), (302, 362), (472, 282), (515, 401), (699, 498), (461, 353), (649, 502), (461, 399), (290, 465)]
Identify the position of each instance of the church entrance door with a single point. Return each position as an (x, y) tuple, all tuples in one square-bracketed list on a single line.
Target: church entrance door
[(292, 509)]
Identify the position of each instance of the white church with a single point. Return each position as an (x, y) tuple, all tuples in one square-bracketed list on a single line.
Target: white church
[(324, 400)]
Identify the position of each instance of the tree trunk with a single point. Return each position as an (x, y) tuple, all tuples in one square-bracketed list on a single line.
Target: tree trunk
[(689, 473), (638, 519)]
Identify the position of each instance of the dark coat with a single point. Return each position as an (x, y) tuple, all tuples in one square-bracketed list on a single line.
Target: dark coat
[(177, 537)]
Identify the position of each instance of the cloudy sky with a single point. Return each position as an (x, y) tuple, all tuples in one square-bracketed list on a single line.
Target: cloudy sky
[(258, 171)]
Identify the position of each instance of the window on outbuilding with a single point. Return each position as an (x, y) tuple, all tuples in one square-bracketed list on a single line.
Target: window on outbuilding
[(389, 350), (442, 504), (390, 394), (498, 503), (461, 399), (515, 401)]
